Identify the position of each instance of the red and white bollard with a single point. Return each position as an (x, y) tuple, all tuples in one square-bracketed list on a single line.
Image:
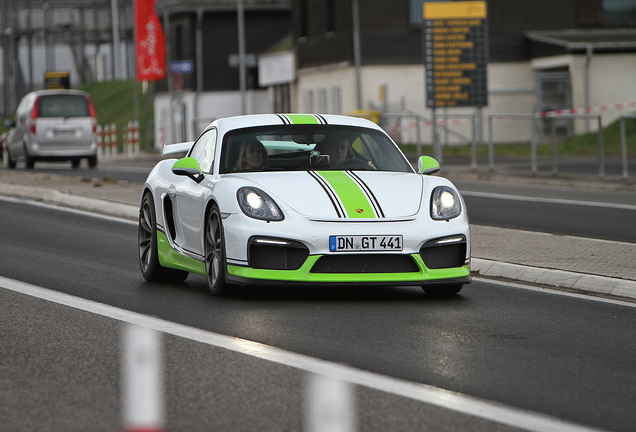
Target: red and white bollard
[(99, 142), (113, 139), (162, 138), (107, 153), (142, 383), (136, 149)]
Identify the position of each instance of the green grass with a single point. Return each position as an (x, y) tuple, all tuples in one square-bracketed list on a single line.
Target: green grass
[(114, 103)]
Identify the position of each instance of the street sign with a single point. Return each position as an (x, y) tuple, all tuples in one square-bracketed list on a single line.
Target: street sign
[(181, 66), (55, 80), (456, 54)]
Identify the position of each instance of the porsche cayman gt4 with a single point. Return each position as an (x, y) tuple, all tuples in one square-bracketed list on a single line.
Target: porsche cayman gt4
[(302, 200)]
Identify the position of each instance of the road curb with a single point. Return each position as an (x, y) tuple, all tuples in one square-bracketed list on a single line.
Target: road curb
[(52, 196), (557, 278)]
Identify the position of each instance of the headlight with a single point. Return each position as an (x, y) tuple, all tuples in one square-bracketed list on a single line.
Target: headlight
[(445, 203), (258, 205)]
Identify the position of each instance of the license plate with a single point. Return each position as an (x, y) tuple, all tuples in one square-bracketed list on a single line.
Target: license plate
[(64, 132), (370, 243)]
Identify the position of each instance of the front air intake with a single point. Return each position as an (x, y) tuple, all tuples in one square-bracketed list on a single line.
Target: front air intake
[(365, 263), (446, 252), (276, 254)]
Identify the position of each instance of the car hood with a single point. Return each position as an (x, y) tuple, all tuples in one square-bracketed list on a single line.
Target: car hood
[(337, 195)]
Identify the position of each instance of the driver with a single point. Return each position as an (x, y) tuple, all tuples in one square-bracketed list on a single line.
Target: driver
[(337, 147), (339, 150)]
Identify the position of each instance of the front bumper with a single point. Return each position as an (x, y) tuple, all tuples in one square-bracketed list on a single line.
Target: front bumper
[(304, 276)]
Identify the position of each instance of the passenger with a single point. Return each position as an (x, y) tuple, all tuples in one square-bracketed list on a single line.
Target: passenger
[(252, 156)]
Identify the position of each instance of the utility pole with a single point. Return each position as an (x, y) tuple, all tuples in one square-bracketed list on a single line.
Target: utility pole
[(242, 60), (356, 51), (115, 21)]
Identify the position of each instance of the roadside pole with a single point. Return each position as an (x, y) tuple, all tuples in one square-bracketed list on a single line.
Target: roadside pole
[(142, 386), (329, 405)]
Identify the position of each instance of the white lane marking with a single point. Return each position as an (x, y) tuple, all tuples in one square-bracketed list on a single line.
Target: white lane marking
[(67, 209), (548, 200), (492, 411)]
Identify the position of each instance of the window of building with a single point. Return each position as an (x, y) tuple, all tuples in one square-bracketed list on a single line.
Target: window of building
[(619, 11), (417, 11)]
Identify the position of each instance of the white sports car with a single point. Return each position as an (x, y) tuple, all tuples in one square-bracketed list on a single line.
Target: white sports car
[(304, 200)]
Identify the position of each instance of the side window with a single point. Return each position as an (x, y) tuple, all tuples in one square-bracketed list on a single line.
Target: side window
[(203, 150), (21, 113)]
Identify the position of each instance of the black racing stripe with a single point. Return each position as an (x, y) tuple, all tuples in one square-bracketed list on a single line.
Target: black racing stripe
[(336, 205), (374, 201), (320, 118), (283, 118)]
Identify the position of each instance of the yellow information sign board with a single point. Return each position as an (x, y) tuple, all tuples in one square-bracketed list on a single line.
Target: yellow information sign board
[(455, 41)]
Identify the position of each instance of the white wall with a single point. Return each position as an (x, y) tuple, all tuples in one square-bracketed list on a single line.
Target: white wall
[(211, 105), (511, 91)]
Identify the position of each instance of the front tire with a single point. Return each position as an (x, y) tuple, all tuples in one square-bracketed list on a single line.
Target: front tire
[(151, 270), (442, 290), (215, 264), (10, 162)]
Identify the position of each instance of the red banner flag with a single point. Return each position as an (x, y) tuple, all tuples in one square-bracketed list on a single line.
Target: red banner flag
[(149, 42)]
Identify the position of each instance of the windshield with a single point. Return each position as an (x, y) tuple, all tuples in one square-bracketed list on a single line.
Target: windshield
[(315, 147)]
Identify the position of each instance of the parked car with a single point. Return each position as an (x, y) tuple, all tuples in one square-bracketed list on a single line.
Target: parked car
[(54, 125), (302, 200)]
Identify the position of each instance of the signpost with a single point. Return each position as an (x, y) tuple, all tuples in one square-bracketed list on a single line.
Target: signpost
[(181, 66), (56, 80), (455, 45)]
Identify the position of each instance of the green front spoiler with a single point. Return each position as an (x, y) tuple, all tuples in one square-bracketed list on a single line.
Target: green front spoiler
[(303, 275)]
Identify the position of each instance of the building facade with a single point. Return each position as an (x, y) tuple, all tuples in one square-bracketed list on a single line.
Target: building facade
[(206, 34), (543, 56)]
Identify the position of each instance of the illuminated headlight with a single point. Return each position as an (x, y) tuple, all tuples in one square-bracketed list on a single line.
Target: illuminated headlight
[(445, 203), (257, 204)]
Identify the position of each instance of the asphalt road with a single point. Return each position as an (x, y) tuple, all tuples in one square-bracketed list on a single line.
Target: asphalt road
[(569, 357), (609, 215)]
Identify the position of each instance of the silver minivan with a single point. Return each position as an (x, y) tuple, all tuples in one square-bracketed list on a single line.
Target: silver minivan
[(53, 125)]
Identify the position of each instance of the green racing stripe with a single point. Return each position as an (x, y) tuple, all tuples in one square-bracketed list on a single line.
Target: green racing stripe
[(355, 202), (302, 119)]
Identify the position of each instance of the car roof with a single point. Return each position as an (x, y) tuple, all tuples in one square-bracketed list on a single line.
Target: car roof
[(227, 124), (59, 92)]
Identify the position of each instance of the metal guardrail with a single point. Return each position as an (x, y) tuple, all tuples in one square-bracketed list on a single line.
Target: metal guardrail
[(534, 119), (437, 150), (533, 138)]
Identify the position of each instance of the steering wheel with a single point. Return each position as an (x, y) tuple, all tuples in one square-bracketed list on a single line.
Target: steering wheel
[(354, 163)]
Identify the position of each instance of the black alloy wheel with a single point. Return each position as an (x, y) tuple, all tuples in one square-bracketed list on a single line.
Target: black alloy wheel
[(215, 265), (151, 270)]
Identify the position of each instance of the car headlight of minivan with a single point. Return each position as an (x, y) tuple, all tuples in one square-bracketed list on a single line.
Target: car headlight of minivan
[(445, 203), (258, 205)]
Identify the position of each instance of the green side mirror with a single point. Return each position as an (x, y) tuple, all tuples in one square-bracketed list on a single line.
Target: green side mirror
[(427, 165), (188, 167)]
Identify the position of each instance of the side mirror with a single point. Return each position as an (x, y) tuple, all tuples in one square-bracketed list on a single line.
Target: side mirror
[(188, 167), (8, 123), (427, 165)]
